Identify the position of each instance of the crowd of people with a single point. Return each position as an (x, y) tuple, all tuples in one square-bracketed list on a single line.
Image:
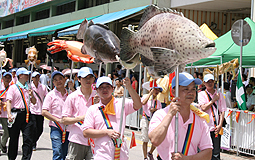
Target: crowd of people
[(85, 114)]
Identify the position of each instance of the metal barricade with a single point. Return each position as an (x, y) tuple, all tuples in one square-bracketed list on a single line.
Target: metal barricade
[(242, 139)]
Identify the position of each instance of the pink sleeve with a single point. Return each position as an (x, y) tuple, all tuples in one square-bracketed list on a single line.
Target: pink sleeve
[(156, 120), (67, 108), (202, 98), (47, 102), (223, 106), (89, 121), (10, 95), (129, 106), (205, 141)]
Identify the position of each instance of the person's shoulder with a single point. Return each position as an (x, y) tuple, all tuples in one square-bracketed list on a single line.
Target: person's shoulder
[(93, 108)]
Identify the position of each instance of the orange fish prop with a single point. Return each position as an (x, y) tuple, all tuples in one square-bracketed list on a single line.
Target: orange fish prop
[(32, 55)]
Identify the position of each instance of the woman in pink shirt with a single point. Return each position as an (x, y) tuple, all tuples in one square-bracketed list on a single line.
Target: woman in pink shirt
[(52, 109), (95, 125)]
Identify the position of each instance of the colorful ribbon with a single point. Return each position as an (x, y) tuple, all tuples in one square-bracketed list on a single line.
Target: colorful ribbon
[(188, 138), (2, 94), (25, 103), (62, 130)]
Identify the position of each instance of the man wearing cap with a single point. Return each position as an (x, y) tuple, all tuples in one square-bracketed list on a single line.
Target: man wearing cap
[(40, 91), (209, 101), (102, 120), (19, 98), (14, 76), (52, 109), (7, 77), (250, 104), (149, 107), (190, 126), (73, 114)]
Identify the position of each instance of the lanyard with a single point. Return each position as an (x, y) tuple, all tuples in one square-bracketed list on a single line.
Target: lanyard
[(188, 137), (25, 103), (213, 114)]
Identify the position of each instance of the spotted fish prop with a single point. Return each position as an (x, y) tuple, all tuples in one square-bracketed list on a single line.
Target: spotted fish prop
[(165, 39)]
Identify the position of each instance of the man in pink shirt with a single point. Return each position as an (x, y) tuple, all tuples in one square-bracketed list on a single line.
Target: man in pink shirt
[(52, 109), (7, 77), (40, 91), (18, 99), (193, 131), (73, 113), (210, 100), (150, 105), (102, 120), (14, 76)]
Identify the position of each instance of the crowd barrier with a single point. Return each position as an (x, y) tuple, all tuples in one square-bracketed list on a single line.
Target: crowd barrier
[(238, 134)]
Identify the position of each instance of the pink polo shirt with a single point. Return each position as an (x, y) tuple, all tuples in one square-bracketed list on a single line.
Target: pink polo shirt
[(54, 102), (104, 148), (201, 135), (42, 91), (76, 105), (3, 113), (147, 106), (14, 95), (203, 99)]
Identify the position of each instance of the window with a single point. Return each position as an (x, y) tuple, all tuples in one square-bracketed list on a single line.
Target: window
[(9, 23), (66, 8), (42, 14), (99, 2), (23, 20)]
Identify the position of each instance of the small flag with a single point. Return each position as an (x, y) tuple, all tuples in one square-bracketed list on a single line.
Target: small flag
[(229, 113), (237, 116), (132, 143), (171, 76), (240, 94), (253, 116), (151, 83)]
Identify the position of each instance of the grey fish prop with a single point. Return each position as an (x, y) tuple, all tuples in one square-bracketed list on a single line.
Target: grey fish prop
[(165, 39), (99, 42)]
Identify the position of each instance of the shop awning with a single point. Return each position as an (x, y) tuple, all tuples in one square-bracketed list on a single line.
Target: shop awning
[(46, 30), (53, 28), (106, 18)]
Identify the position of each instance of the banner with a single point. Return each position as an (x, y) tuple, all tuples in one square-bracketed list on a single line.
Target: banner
[(225, 138), (8, 7)]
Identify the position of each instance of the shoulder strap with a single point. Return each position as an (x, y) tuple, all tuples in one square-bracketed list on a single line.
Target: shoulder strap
[(25, 103), (38, 96), (209, 97), (213, 114), (188, 137)]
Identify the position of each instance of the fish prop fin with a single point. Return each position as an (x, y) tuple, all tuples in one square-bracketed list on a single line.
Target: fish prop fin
[(153, 10), (164, 58), (126, 53), (81, 31), (90, 23), (103, 26), (130, 64), (83, 50)]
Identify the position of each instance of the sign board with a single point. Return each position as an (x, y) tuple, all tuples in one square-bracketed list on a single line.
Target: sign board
[(236, 32)]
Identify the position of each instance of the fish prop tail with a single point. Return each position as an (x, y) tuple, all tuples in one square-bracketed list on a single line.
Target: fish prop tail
[(127, 36)]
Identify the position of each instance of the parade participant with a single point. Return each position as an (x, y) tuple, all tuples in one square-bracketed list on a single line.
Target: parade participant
[(14, 76), (118, 90), (149, 107), (73, 114), (250, 104), (40, 91), (190, 126), (209, 101), (7, 77), (102, 120), (18, 99), (163, 96), (52, 109)]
